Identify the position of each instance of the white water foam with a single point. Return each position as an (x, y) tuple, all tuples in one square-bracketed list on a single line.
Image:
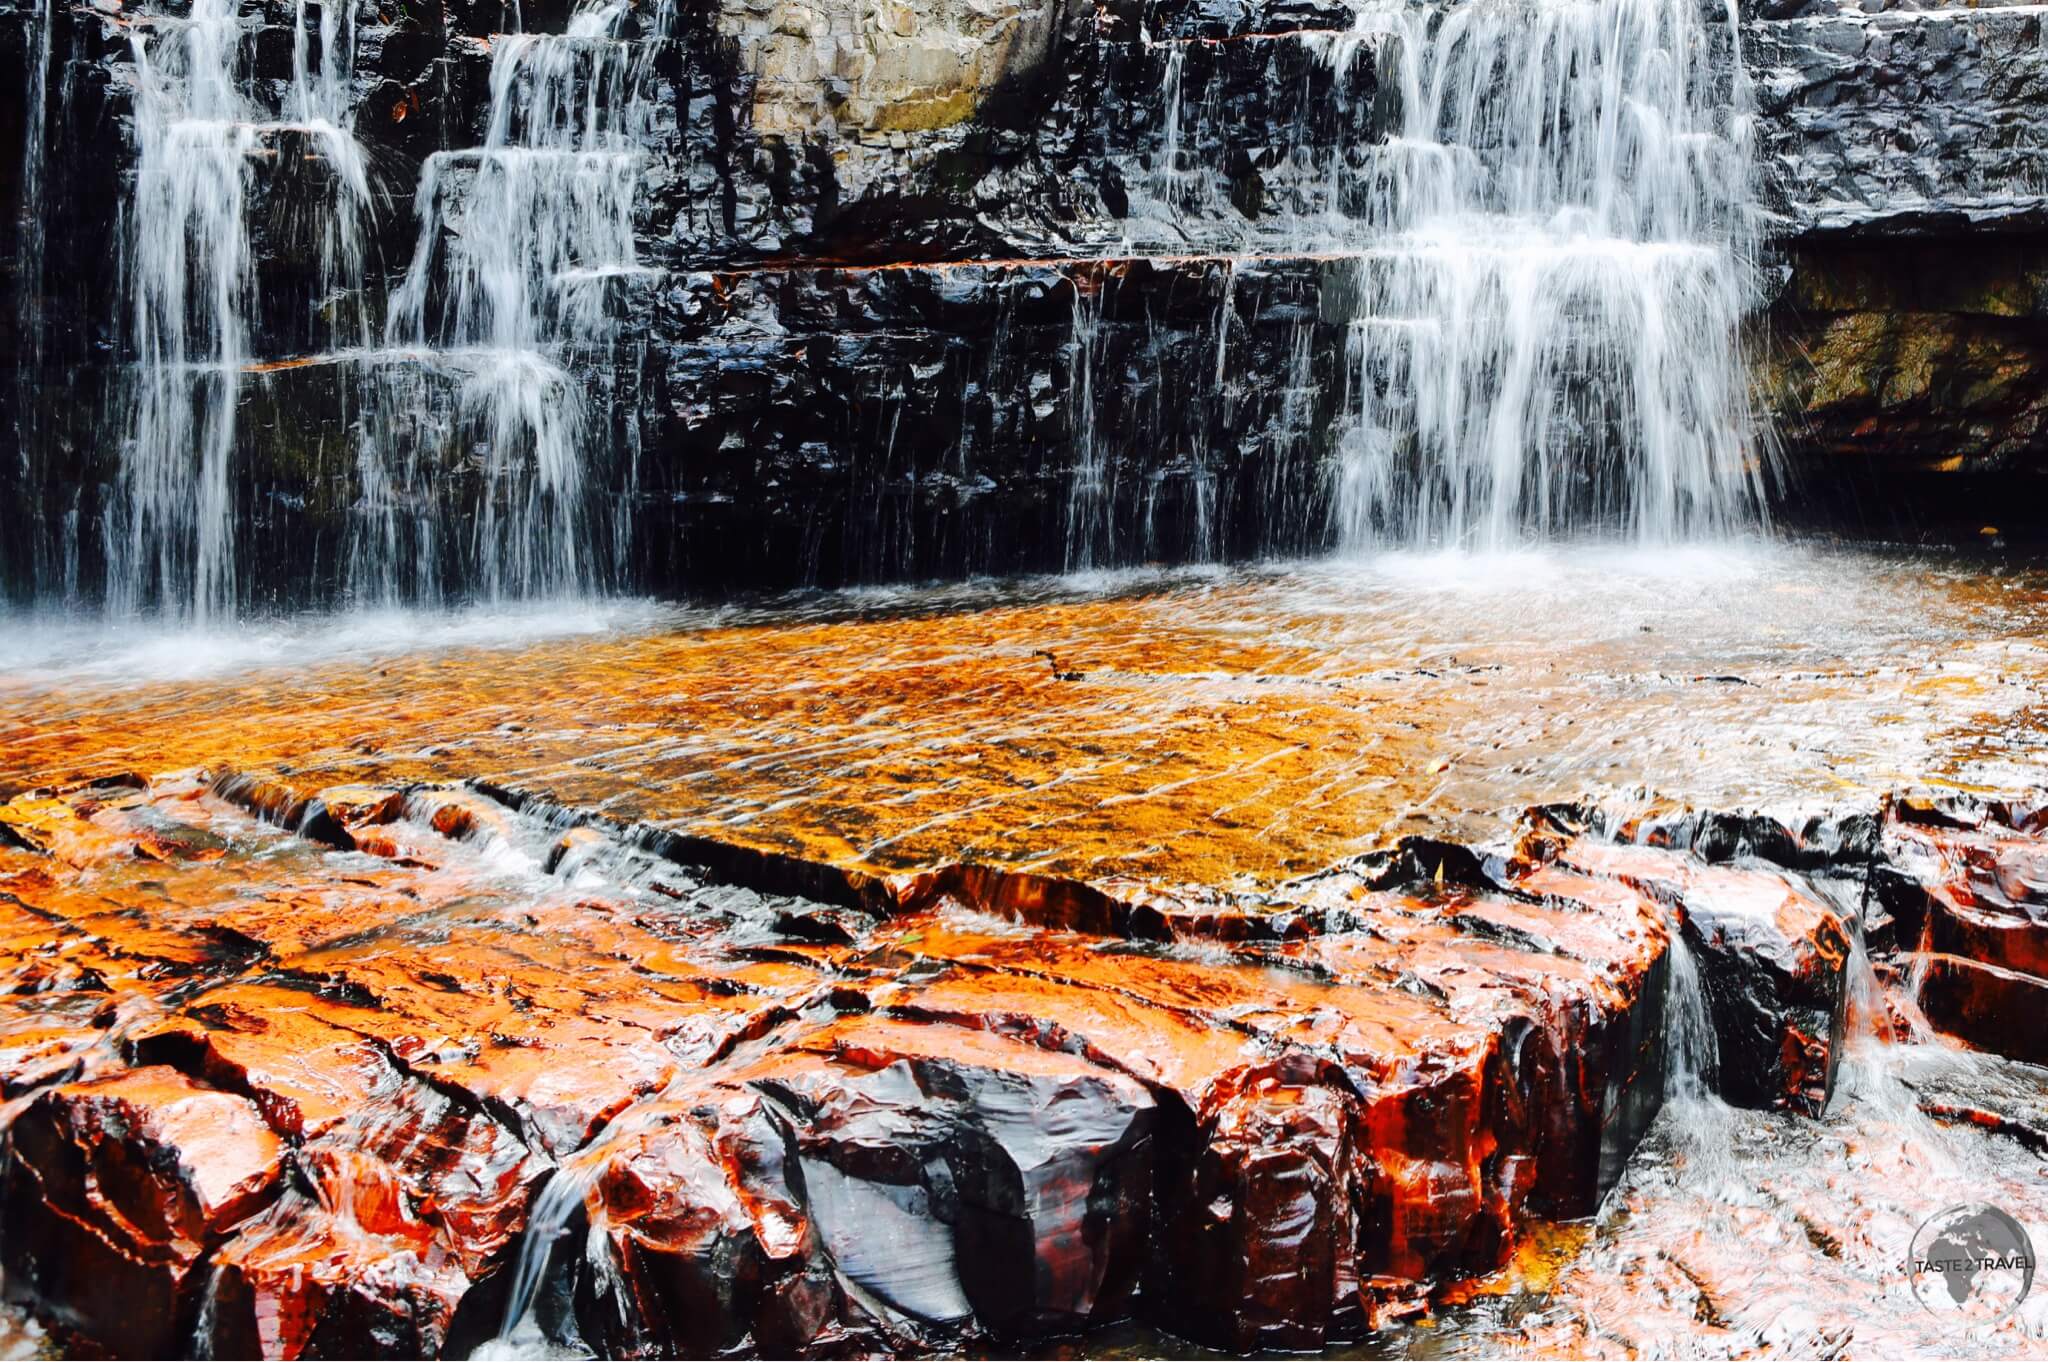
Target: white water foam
[(189, 272), (1546, 336)]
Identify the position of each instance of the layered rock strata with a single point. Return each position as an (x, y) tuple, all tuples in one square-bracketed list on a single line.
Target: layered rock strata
[(1903, 354), (468, 1060), (391, 1071), (1967, 886), (759, 416)]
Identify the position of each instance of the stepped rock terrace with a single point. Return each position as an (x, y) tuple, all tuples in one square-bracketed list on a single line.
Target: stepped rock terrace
[(496, 861), (979, 967)]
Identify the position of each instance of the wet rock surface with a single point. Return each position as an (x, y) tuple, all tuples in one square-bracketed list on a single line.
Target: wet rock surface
[(1907, 120), (1903, 353), (117, 1192), (1968, 886), (1078, 974), (1079, 238), (759, 416), (474, 1074), (996, 1109), (1774, 956)]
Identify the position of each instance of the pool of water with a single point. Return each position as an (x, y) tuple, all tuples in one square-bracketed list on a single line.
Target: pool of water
[(1225, 727)]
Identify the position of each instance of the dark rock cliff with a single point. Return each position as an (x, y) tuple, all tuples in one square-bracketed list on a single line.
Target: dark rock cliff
[(801, 384), (1907, 357), (928, 289)]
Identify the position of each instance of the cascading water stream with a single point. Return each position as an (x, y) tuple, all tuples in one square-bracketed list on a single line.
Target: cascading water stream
[(1559, 252), (520, 243), (33, 230), (1692, 1056), (1091, 506), (188, 274), (189, 271)]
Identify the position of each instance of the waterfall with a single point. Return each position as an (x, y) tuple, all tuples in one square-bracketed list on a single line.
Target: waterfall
[(189, 272), (34, 231), (521, 241), (188, 275), (1559, 249), (1091, 500), (1693, 1054)]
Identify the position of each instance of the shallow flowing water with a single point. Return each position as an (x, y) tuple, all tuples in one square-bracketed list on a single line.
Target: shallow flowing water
[(1225, 727), (1228, 728)]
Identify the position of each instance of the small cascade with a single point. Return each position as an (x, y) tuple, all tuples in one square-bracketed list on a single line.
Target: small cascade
[(522, 1332), (189, 271), (523, 242), (1181, 200), (1692, 1053), (1091, 499), (1202, 473), (1166, 174), (320, 102), (1559, 246), (33, 228), (26, 479)]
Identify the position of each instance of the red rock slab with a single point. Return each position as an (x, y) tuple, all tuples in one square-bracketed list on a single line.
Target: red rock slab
[(86, 827), (127, 919), (45, 1046), (1994, 1009), (707, 1246), (295, 1054), (41, 954), (876, 1184), (485, 973), (341, 1268), (1386, 1096), (66, 829), (116, 1188), (554, 1039), (358, 807), (1995, 931), (467, 1173), (1268, 1225), (311, 1061), (307, 1065), (61, 1019), (391, 1218), (1172, 1049), (1258, 1241), (1382, 1032), (1578, 1070), (1773, 958), (462, 815), (1987, 891), (957, 1176), (1565, 980), (560, 1086)]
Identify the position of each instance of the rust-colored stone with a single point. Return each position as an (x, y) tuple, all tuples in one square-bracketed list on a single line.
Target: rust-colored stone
[(907, 1113), (1380, 1075), (1969, 882), (392, 1216), (709, 1248), (1773, 956), (117, 1188), (2000, 1010), (1117, 1086), (1019, 1176)]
